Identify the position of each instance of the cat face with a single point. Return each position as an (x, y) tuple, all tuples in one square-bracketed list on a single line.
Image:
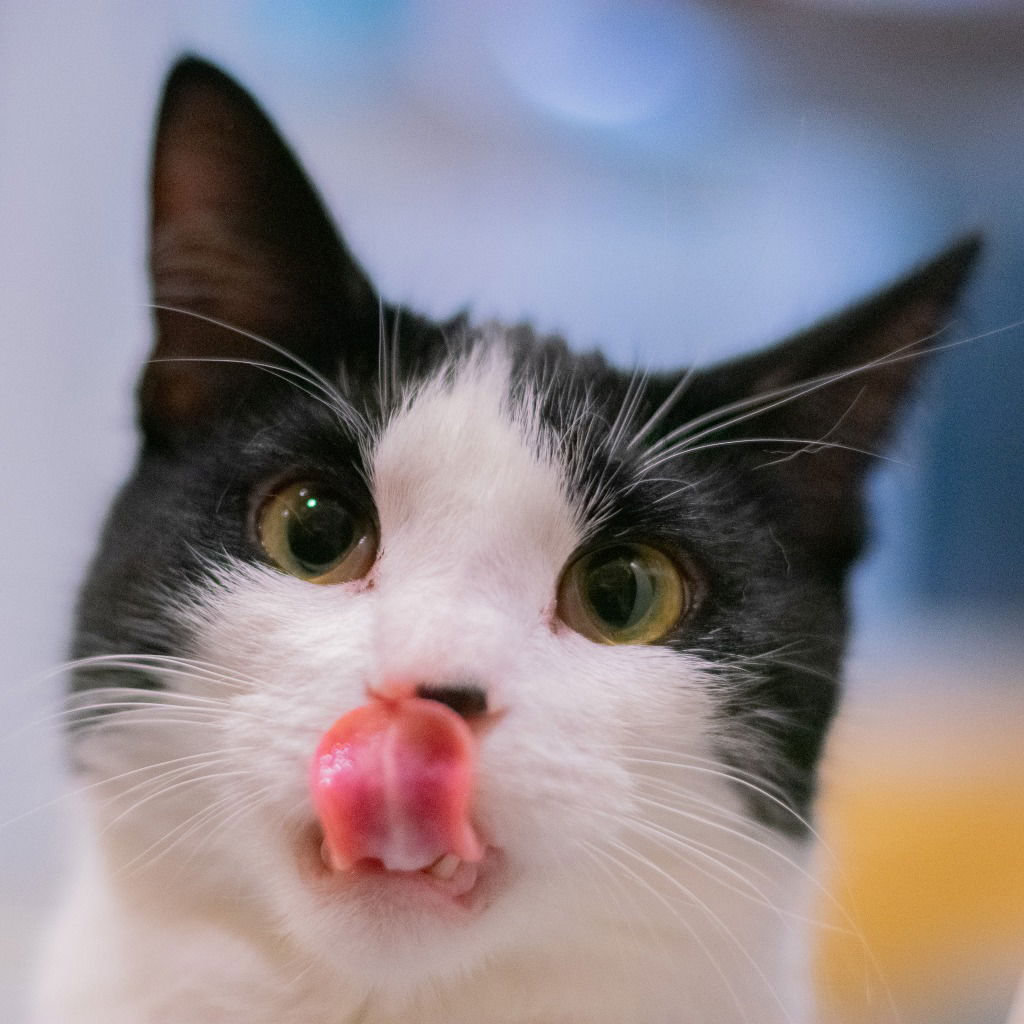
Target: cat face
[(625, 591)]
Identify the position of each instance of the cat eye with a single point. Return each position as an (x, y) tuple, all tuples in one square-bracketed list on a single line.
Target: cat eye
[(624, 594), (311, 532)]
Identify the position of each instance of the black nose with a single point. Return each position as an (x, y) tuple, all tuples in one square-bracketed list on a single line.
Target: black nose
[(466, 699)]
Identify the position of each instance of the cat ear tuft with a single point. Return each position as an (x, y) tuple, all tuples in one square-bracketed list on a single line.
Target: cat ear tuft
[(238, 235), (832, 396)]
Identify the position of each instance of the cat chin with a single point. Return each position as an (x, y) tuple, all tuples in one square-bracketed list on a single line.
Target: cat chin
[(396, 934)]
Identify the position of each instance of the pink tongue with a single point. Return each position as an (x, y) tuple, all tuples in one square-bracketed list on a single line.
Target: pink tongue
[(392, 781)]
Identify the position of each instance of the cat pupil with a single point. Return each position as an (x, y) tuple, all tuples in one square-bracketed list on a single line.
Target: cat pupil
[(319, 531), (619, 591)]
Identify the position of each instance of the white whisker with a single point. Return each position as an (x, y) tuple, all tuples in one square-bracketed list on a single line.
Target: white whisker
[(675, 911), (334, 398)]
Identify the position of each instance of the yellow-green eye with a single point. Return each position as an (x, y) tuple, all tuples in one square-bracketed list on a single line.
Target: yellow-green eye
[(308, 530), (623, 594)]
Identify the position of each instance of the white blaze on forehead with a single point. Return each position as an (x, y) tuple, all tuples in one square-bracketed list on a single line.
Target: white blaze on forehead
[(475, 522)]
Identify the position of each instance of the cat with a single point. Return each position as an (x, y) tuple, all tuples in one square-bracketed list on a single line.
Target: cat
[(432, 673)]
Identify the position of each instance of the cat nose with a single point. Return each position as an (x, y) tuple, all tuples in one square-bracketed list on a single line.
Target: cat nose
[(466, 699)]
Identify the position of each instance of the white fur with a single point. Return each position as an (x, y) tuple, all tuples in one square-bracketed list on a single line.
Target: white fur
[(215, 923)]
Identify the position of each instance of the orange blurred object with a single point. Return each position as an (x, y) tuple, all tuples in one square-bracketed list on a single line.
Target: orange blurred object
[(923, 815)]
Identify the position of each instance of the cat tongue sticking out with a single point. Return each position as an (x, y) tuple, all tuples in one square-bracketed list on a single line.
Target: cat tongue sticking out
[(392, 783)]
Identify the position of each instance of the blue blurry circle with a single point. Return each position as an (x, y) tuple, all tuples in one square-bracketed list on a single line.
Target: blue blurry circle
[(607, 62)]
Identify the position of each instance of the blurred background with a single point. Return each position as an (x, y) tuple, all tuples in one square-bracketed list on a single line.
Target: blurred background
[(671, 181)]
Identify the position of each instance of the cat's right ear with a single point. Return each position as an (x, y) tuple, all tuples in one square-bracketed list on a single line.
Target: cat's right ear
[(239, 236)]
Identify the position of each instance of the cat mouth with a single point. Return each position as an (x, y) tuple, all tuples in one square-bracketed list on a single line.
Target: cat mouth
[(449, 882), (392, 783)]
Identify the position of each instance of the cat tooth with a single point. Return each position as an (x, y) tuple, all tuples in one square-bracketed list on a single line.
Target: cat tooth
[(331, 861), (445, 867), (325, 856)]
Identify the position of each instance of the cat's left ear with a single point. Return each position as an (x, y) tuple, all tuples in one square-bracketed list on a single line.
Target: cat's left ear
[(240, 236), (808, 417)]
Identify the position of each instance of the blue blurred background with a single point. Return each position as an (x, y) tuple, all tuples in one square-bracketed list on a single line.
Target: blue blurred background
[(672, 181)]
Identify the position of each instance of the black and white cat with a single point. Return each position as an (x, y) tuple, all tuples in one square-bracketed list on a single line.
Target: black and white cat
[(430, 673)]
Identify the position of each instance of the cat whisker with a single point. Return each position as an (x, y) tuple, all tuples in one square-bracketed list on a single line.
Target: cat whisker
[(141, 696), (675, 493), (194, 823), (753, 664), (395, 356), (116, 700), (747, 833), (131, 666), (186, 668), (339, 404), (161, 782), (149, 856), (692, 851), (283, 373), (251, 801), (716, 921), (626, 415), (673, 909), (162, 722), (822, 890), (699, 848), (179, 784), (629, 920), (65, 667), (763, 786), (384, 373), (146, 661), (758, 404), (677, 392), (677, 440), (119, 714), (705, 804), (687, 848), (96, 784), (835, 426), (625, 919), (810, 446), (199, 758)]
